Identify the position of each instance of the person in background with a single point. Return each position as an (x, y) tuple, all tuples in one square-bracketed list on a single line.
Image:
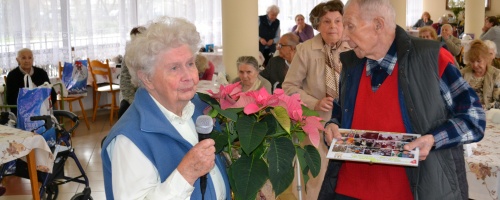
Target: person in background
[(379, 92), (303, 30), (437, 26), (15, 78), (269, 32), (492, 47), (127, 89), (153, 152), (481, 76), (277, 67), (315, 71), (425, 20), (491, 31), (205, 68), (248, 75), (427, 32), (453, 44)]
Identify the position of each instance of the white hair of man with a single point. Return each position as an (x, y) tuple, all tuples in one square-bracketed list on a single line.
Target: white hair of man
[(376, 8), (491, 45), (23, 50), (448, 26), (274, 9), (161, 35)]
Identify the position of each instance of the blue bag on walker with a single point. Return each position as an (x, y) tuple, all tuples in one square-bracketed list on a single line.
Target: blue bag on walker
[(74, 77), (35, 101)]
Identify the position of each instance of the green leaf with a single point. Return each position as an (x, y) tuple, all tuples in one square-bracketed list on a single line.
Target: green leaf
[(213, 113), (313, 159), (220, 139), (271, 124), (280, 159), (208, 99), (249, 175), (301, 135), (251, 132), (226, 113), (281, 115), (308, 112)]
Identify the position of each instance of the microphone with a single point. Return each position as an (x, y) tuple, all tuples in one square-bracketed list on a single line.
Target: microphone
[(204, 125)]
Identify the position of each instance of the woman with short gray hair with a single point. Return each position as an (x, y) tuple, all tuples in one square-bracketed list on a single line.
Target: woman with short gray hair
[(248, 75), (153, 151)]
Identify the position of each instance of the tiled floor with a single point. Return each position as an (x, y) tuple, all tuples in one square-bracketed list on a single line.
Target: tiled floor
[(87, 145)]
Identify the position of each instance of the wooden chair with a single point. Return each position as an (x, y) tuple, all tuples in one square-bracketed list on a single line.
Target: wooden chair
[(98, 68), (70, 100)]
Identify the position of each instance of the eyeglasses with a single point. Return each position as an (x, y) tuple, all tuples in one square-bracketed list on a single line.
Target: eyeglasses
[(279, 45)]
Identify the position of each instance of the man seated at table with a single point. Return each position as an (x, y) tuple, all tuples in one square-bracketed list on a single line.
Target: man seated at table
[(15, 78), (277, 67), (453, 44)]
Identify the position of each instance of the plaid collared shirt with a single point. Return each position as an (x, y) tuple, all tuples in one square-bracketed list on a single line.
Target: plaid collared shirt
[(380, 71)]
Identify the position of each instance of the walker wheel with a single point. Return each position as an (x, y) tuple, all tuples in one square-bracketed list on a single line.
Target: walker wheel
[(80, 196)]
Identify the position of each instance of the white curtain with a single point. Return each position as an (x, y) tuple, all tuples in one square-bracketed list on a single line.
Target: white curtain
[(414, 10), (99, 29)]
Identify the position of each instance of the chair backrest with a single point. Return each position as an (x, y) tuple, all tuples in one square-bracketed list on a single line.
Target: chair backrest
[(96, 67), (60, 69)]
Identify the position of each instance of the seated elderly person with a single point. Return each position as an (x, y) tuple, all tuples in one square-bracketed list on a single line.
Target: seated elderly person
[(205, 68), (491, 31), (15, 78), (453, 44), (425, 20), (277, 67), (153, 152), (248, 75), (492, 47), (481, 76), (427, 32)]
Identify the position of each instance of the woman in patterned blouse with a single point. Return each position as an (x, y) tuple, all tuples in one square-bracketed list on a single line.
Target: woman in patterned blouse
[(482, 77)]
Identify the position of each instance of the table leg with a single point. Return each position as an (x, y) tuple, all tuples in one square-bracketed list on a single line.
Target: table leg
[(33, 175)]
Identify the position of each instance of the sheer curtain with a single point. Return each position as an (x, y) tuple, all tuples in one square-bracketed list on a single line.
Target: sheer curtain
[(288, 10), (414, 10)]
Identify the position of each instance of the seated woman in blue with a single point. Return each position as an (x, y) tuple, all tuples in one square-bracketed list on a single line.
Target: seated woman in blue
[(153, 152)]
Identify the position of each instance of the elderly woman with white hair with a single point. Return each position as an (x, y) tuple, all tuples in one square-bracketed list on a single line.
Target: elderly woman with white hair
[(492, 52), (269, 32), (153, 152)]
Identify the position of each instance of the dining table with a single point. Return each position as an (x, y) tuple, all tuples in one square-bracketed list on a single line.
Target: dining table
[(16, 143), (483, 165)]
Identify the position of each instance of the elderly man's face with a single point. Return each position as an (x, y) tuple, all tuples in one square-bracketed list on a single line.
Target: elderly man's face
[(358, 33), (446, 32), (174, 79), (272, 16), (25, 60), (286, 51)]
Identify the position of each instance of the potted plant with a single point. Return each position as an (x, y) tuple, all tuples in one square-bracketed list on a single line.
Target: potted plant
[(261, 136)]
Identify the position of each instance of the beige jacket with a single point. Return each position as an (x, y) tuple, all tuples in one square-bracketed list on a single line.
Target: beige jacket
[(453, 44), (306, 75), (491, 85)]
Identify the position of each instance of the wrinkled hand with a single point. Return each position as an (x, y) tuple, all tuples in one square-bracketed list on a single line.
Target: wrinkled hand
[(198, 161), (424, 143), (299, 28), (325, 104), (270, 42), (332, 131), (263, 41)]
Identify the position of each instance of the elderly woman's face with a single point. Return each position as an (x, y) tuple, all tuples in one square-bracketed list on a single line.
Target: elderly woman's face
[(331, 27), (425, 35), (479, 65), (25, 60), (299, 20), (174, 78), (247, 74)]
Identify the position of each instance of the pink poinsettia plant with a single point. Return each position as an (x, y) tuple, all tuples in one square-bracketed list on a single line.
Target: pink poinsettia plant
[(261, 134)]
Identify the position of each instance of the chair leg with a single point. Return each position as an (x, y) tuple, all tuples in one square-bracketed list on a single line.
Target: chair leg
[(97, 105), (113, 105), (84, 114), (70, 105)]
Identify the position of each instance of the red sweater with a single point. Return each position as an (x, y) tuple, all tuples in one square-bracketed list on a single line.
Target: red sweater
[(378, 111)]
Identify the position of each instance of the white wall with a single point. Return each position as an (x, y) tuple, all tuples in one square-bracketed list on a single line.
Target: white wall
[(437, 8)]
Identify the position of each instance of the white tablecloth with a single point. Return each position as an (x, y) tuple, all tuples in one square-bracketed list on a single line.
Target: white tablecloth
[(483, 167)]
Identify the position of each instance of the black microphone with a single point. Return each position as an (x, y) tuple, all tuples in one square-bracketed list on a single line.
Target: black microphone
[(204, 126)]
